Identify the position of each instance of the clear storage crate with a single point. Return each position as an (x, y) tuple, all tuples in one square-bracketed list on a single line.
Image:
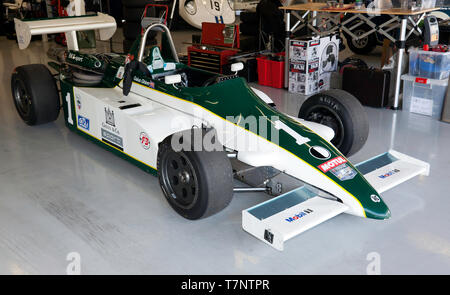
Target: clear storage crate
[(424, 96), (404, 4), (429, 64)]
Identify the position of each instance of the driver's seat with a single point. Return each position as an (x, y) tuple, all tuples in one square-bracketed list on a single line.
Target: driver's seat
[(155, 62)]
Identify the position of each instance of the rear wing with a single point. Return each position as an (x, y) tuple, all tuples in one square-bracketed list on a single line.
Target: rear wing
[(68, 25)]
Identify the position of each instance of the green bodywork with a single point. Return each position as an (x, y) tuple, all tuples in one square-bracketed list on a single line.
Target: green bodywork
[(234, 98)]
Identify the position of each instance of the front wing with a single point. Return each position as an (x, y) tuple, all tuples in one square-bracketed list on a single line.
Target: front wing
[(282, 218)]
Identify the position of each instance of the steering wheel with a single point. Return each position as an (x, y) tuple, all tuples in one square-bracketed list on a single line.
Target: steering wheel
[(127, 78)]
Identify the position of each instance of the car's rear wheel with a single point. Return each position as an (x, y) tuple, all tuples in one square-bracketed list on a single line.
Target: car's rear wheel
[(197, 184), (35, 94), (342, 112)]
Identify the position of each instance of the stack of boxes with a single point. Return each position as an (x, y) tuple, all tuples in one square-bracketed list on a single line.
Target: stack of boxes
[(311, 62), (425, 86)]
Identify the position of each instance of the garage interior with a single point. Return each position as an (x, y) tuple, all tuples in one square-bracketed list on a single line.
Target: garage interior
[(61, 194)]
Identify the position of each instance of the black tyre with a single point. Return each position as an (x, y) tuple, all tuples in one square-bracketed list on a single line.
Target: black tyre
[(364, 45), (342, 112), (197, 184), (35, 94)]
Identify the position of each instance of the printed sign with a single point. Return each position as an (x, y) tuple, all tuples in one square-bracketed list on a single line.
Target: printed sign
[(421, 106)]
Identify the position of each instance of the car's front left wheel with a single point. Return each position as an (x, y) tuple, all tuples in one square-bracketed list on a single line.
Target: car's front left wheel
[(197, 184)]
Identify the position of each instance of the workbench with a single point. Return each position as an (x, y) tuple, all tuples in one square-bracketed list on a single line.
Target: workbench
[(399, 18)]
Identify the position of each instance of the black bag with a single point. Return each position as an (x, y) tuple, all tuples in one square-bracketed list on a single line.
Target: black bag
[(369, 86)]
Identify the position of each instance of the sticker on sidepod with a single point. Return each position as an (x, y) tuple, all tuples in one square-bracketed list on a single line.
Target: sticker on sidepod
[(343, 172), (145, 141), (83, 122), (78, 101), (333, 163)]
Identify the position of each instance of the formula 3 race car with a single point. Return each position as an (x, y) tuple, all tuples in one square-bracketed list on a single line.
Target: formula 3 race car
[(198, 131)]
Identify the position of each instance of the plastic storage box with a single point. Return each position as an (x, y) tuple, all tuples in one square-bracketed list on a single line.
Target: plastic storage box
[(404, 4), (426, 4), (271, 72), (429, 64), (424, 96)]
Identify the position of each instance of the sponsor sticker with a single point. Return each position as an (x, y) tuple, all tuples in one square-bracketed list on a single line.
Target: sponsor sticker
[(75, 57), (328, 165), (112, 139), (144, 82), (109, 117), (375, 198), (392, 172), (299, 215), (120, 72), (83, 122), (343, 172), (78, 101), (145, 141)]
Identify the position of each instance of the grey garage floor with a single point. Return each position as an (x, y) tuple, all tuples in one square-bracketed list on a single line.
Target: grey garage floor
[(60, 195)]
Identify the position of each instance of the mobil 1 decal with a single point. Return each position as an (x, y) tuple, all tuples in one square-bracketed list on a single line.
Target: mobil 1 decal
[(111, 129)]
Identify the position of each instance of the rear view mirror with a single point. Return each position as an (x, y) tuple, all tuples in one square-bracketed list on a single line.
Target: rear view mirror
[(172, 79), (236, 67)]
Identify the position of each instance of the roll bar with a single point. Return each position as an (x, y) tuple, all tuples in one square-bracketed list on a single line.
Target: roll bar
[(144, 39)]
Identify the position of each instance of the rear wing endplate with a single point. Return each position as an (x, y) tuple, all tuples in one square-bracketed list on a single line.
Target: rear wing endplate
[(69, 25)]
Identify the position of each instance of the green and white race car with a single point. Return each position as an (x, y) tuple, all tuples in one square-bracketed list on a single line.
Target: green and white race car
[(199, 131)]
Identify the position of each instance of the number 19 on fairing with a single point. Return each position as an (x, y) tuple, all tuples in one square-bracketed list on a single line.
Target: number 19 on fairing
[(215, 4)]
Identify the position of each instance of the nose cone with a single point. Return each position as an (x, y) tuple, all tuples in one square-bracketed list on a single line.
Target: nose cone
[(378, 210)]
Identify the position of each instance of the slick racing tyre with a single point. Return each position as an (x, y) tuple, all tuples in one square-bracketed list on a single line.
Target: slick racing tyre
[(35, 94), (342, 112), (197, 184)]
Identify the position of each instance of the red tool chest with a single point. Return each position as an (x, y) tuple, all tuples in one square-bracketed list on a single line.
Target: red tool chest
[(213, 53)]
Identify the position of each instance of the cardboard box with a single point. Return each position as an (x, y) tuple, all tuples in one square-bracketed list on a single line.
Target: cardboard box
[(311, 62)]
